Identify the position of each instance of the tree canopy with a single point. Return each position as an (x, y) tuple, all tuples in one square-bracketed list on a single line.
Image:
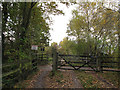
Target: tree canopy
[(25, 24), (96, 25)]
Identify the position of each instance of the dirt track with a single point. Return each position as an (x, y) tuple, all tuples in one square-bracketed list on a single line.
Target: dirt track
[(45, 70), (40, 82), (42, 79)]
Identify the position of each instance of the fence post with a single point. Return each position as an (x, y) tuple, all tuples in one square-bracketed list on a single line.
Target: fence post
[(101, 67), (99, 64), (55, 60)]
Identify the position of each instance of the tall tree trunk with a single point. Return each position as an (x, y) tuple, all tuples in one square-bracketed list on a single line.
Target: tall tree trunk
[(119, 43), (5, 16), (26, 20)]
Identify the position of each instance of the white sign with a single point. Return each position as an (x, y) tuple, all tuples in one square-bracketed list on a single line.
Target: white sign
[(34, 47)]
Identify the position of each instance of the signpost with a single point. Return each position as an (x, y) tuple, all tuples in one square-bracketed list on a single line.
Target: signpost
[(34, 47)]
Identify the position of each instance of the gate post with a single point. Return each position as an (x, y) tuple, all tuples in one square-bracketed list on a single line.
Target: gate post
[(101, 66), (55, 59), (98, 64)]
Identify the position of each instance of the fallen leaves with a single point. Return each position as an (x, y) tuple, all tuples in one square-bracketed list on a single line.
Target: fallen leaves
[(91, 79), (62, 80)]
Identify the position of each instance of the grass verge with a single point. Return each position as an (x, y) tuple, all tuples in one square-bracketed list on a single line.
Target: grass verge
[(26, 82), (112, 77), (61, 79), (88, 80)]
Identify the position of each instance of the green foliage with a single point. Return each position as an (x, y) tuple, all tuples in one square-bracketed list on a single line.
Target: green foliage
[(94, 28), (111, 77), (88, 80), (54, 44), (56, 73), (64, 46), (25, 83), (25, 24)]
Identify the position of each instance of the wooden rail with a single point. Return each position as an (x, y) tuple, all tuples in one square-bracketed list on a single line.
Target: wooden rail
[(73, 55), (96, 63), (17, 71)]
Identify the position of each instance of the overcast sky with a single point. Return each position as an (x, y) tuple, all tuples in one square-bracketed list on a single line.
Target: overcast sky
[(60, 23)]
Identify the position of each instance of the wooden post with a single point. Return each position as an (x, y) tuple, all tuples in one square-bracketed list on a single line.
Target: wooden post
[(101, 67), (55, 60), (36, 61), (98, 64)]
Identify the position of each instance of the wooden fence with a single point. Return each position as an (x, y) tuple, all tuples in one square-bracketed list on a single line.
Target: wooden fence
[(84, 62), (17, 71), (42, 58), (110, 63)]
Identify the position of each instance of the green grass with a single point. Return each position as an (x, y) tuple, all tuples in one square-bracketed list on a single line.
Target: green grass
[(112, 77), (88, 80), (23, 83), (58, 75)]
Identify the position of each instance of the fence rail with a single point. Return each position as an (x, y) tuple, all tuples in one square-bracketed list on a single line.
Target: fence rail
[(74, 55), (96, 63), (11, 73)]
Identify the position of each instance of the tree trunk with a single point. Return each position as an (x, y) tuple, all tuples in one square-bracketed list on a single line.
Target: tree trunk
[(5, 16), (119, 44), (26, 20)]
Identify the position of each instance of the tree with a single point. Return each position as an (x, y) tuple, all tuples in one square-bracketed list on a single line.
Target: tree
[(81, 23), (119, 41), (25, 24), (65, 46), (54, 44), (96, 24)]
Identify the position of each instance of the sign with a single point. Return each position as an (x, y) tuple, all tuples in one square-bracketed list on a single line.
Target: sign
[(34, 47)]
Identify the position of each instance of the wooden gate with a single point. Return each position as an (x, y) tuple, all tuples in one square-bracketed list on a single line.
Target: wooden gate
[(84, 62), (76, 62)]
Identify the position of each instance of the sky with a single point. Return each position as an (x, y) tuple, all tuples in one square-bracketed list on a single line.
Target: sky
[(60, 23)]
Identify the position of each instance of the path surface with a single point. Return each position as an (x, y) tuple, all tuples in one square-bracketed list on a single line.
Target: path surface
[(107, 84), (40, 80), (77, 83)]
